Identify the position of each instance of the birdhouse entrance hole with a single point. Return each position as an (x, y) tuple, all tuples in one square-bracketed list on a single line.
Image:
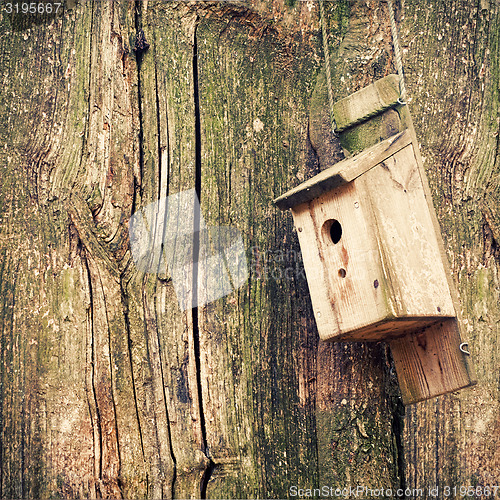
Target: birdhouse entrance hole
[(335, 231), (332, 230)]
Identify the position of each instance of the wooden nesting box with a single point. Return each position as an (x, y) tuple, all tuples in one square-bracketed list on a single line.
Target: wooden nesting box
[(374, 259)]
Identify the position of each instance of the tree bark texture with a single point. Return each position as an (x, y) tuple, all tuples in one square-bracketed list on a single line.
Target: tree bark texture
[(108, 389)]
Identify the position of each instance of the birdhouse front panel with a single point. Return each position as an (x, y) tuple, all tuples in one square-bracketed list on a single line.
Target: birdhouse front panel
[(341, 260), (370, 251)]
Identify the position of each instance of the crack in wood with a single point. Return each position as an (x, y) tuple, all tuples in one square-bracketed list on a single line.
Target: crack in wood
[(98, 451), (196, 250), (139, 56)]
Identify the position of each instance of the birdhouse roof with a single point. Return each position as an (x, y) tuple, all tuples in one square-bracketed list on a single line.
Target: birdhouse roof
[(343, 172)]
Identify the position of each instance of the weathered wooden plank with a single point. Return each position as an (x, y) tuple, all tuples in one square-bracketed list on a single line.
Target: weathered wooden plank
[(51, 443), (104, 181), (367, 102), (77, 429), (343, 172), (345, 449), (245, 349), (167, 345), (459, 143), (112, 162)]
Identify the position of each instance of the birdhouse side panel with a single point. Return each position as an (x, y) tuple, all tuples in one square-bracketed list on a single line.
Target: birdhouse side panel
[(341, 261), (408, 243)]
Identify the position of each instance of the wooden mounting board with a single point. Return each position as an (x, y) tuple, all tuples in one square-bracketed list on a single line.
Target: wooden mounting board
[(366, 102)]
